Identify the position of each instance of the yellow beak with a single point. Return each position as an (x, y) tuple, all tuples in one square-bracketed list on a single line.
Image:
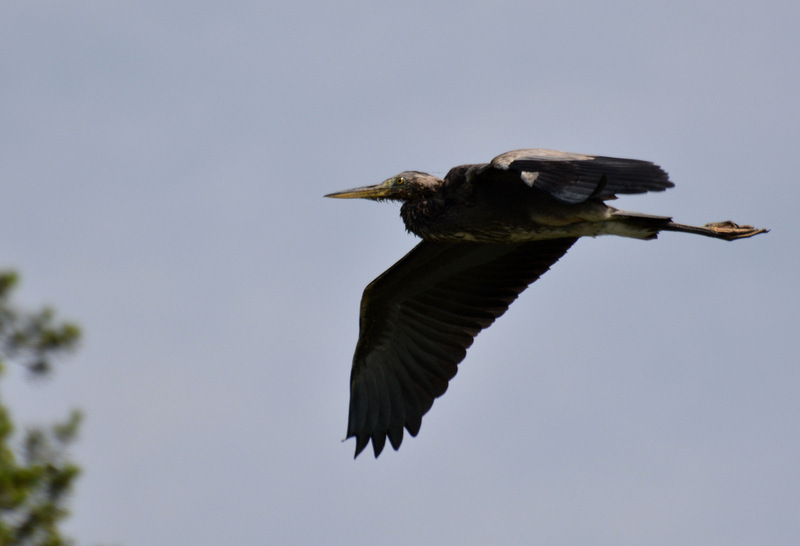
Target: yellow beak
[(379, 191)]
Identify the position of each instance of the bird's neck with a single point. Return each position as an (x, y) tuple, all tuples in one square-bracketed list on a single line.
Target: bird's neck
[(434, 215), (421, 216)]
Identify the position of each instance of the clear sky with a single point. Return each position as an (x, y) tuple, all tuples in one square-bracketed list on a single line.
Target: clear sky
[(163, 166)]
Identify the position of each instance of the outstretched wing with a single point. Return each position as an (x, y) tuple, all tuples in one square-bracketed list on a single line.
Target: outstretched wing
[(418, 319), (573, 178)]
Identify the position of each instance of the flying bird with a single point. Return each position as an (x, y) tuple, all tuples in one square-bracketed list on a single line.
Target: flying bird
[(488, 231)]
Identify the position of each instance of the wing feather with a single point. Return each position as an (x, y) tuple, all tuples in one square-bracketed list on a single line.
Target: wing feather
[(417, 321), (573, 178)]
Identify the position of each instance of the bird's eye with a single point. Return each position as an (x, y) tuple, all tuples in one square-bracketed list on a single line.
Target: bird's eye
[(400, 181)]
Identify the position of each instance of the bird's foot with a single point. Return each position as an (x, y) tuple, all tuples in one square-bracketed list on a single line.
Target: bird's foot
[(729, 231)]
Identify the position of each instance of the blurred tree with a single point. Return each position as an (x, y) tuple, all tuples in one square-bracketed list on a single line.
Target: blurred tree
[(36, 477)]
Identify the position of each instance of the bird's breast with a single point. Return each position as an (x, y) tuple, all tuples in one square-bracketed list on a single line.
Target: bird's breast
[(506, 223)]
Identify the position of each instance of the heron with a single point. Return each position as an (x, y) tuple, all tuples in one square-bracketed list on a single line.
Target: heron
[(488, 231)]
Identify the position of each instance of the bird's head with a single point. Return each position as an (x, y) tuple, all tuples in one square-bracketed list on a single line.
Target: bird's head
[(406, 186)]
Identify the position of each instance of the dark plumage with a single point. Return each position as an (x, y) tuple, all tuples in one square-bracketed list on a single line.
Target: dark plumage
[(488, 231)]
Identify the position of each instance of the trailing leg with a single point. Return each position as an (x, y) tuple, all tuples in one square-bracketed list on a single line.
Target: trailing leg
[(727, 230)]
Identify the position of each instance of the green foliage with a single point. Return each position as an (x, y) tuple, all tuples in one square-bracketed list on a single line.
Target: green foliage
[(37, 477), (31, 339)]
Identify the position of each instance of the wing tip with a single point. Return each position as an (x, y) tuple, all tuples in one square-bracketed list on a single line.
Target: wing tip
[(379, 438)]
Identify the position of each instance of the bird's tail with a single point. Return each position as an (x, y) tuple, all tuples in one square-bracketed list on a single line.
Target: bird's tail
[(638, 225)]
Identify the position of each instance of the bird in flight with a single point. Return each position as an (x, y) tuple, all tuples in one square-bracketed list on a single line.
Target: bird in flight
[(488, 231)]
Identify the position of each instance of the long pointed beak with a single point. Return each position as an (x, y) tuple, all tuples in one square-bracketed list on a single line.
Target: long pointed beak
[(379, 191)]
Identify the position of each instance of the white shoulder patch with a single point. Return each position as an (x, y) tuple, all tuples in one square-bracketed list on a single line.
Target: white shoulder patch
[(529, 177)]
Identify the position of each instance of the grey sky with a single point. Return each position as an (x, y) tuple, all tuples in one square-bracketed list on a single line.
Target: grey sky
[(163, 169)]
